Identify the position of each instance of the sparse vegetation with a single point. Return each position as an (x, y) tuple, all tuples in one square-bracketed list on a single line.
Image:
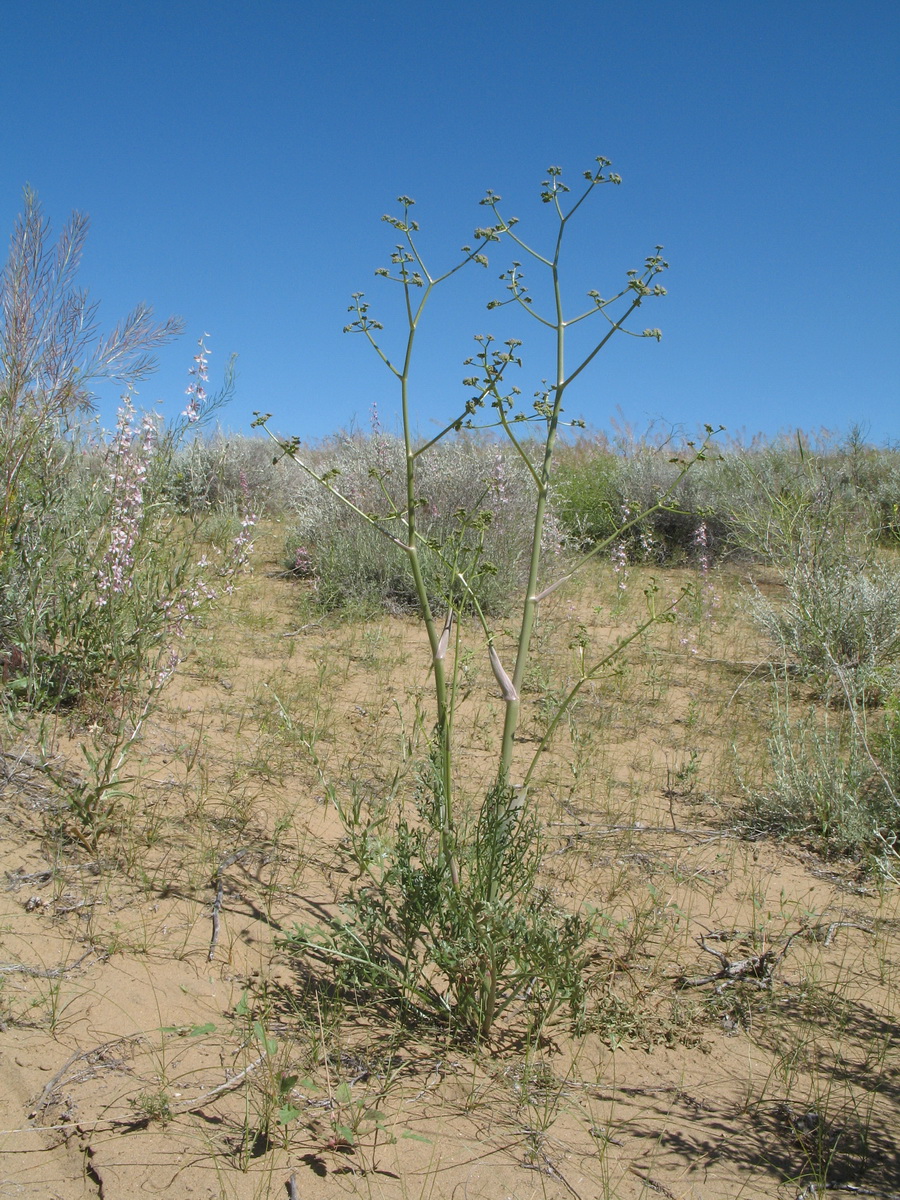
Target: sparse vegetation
[(230, 949)]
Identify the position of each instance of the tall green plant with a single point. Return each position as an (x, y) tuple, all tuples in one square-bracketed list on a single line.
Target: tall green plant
[(462, 896)]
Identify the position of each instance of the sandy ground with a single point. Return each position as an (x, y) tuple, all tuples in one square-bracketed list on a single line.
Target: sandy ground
[(138, 1056)]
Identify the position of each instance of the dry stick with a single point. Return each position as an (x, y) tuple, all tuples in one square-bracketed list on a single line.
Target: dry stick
[(50, 1086), (293, 1190), (853, 1190), (217, 905), (757, 968), (584, 829), (858, 1191), (228, 861), (28, 760), (42, 876), (653, 1184), (37, 973), (760, 968), (38, 766), (229, 1085), (835, 925), (177, 1110), (44, 1097), (753, 664), (547, 1168)]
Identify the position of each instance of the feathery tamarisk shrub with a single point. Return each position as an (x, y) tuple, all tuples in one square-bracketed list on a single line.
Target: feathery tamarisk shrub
[(452, 921), (51, 351)]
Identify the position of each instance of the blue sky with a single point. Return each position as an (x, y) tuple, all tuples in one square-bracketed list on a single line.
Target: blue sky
[(235, 159)]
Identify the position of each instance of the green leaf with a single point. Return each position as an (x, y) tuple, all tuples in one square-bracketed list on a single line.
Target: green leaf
[(267, 1043)]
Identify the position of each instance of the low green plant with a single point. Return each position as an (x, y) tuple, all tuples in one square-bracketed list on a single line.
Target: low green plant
[(588, 496), (453, 921), (831, 784), (448, 953), (153, 1106), (839, 625), (598, 493), (268, 1107)]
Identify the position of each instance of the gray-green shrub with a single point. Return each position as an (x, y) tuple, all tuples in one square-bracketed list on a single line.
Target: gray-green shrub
[(839, 625), (475, 502), (221, 470), (831, 785), (769, 501)]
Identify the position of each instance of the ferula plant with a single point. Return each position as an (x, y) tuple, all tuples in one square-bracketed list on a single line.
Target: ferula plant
[(451, 920)]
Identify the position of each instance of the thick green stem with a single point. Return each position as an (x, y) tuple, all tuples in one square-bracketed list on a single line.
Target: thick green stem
[(443, 784), (509, 799), (529, 606)]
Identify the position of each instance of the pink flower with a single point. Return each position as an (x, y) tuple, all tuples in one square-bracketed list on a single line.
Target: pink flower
[(199, 374), (129, 451), (620, 565)]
